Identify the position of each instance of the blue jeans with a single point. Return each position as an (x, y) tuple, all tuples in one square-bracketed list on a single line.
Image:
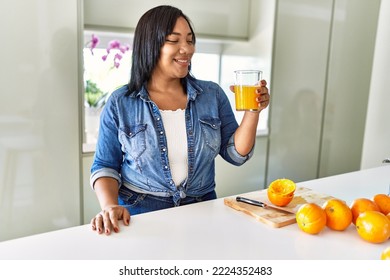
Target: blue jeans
[(138, 203)]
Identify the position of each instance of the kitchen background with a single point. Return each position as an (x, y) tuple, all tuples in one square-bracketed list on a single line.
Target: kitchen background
[(326, 61)]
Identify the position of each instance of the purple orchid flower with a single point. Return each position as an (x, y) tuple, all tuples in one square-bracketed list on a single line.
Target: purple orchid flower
[(94, 42), (112, 45)]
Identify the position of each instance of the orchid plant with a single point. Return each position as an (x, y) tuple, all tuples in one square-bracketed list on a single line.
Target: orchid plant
[(95, 97), (114, 46)]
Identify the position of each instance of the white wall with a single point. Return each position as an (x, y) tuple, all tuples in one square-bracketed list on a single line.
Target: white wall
[(39, 117), (377, 133)]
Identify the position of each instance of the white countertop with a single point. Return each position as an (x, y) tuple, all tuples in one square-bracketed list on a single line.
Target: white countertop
[(211, 230)]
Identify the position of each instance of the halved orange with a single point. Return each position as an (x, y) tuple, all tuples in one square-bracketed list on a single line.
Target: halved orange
[(279, 200), (281, 191), (283, 186)]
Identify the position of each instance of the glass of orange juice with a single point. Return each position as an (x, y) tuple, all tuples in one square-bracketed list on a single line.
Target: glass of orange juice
[(245, 85)]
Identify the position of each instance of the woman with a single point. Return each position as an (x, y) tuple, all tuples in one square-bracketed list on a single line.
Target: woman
[(159, 135)]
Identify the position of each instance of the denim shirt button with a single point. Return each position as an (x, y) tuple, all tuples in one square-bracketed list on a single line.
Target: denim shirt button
[(164, 149), (182, 194), (161, 132), (166, 167)]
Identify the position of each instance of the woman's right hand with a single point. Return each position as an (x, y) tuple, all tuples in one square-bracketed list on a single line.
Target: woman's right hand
[(108, 219)]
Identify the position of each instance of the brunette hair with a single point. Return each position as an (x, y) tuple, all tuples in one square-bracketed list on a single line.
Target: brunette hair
[(150, 35)]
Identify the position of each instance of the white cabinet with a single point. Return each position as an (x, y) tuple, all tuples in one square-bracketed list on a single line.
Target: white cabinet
[(39, 117), (216, 18), (377, 133), (321, 75)]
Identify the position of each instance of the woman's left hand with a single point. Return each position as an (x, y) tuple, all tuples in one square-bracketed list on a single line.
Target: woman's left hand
[(263, 95)]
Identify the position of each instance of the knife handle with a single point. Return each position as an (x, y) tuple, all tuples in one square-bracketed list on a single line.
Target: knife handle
[(250, 201)]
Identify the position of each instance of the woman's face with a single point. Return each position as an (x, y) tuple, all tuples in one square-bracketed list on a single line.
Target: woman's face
[(177, 51)]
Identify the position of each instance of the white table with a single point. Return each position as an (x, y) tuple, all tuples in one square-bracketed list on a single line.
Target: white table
[(213, 231)]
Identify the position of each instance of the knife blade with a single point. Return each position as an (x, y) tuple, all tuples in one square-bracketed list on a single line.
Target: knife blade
[(261, 204)]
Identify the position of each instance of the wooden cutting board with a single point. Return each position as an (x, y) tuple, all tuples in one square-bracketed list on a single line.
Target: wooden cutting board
[(273, 217)]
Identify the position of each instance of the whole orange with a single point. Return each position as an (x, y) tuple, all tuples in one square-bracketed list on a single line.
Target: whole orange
[(311, 218), (383, 202), (373, 226), (360, 205), (338, 214), (281, 192), (385, 254)]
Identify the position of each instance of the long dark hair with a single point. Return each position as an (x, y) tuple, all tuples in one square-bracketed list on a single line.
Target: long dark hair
[(150, 35)]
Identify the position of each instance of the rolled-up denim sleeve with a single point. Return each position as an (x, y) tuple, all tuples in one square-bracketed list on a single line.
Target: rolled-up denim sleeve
[(104, 172), (234, 156)]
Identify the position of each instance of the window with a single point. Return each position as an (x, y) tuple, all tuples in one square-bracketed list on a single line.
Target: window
[(104, 73), (102, 77)]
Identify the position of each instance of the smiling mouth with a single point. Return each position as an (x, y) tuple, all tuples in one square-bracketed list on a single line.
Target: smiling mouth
[(184, 62)]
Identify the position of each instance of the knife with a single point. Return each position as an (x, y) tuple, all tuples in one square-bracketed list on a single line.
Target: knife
[(260, 204)]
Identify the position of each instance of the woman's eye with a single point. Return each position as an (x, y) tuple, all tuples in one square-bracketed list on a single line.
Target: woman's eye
[(177, 41)]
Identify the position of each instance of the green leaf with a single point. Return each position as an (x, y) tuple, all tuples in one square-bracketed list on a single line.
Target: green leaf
[(94, 96)]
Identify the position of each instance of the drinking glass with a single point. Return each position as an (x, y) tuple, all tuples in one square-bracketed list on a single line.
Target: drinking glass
[(245, 85)]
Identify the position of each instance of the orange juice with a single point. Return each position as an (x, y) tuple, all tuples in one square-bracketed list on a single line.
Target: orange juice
[(245, 97)]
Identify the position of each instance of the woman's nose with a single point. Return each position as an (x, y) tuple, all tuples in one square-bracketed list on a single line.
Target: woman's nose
[(185, 48)]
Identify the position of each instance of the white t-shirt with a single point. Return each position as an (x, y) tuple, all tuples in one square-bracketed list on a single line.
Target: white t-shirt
[(175, 131)]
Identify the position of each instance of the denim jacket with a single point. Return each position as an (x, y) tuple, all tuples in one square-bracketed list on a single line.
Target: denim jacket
[(132, 147)]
